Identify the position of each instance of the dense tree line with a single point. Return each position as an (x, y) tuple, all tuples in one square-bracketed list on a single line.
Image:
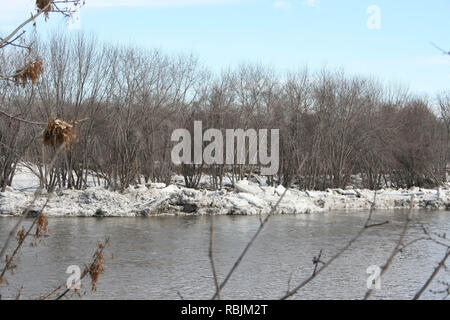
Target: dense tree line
[(134, 98)]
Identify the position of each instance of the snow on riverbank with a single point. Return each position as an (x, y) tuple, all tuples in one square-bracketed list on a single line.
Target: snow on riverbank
[(247, 198)]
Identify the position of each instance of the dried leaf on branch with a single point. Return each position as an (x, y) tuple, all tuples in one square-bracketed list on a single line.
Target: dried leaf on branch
[(59, 132), (42, 5), (97, 267), (41, 226), (30, 72)]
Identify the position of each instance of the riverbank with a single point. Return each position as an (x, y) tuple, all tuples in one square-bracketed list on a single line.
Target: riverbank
[(248, 198)]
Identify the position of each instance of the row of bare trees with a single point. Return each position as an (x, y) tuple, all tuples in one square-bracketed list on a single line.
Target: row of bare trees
[(134, 98)]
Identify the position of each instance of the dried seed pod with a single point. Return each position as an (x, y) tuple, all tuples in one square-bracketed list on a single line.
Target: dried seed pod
[(41, 226), (31, 72), (97, 268), (57, 133), (20, 235), (42, 4)]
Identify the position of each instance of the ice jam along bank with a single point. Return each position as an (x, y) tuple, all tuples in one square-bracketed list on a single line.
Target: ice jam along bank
[(230, 309)]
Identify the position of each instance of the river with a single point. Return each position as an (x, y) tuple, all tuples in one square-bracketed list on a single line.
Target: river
[(165, 257)]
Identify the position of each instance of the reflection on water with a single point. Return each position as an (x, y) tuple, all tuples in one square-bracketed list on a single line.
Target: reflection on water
[(154, 258)]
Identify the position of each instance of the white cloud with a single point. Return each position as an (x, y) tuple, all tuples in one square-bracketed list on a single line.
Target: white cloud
[(281, 5)]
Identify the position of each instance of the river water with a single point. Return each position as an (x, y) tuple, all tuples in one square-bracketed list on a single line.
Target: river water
[(165, 257)]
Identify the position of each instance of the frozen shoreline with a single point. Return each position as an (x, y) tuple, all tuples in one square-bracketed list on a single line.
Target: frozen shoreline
[(247, 199)]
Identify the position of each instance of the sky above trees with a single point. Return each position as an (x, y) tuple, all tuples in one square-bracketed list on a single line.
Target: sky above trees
[(282, 34)]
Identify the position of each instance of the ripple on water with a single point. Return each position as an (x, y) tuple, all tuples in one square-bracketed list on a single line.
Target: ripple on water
[(156, 257)]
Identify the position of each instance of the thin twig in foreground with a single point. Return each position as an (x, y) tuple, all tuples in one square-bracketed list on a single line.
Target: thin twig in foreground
[(430, 279), (211, 258), (7, 39), (317, 271), (398, 247), (261, 227), (10, 259), (180, 295), (440, 49), (316, 261), (87, 269), (22, 120), (37, 195)]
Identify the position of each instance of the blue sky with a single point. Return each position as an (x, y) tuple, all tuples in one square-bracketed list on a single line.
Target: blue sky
[(283, 34)]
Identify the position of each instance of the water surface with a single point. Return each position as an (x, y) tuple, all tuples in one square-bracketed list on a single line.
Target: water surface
[(157, 257)]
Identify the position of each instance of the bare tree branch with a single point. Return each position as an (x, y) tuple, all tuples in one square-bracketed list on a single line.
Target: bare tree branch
[(37, 195), (432, 276), (440, 49), (317, 270), (211, 257), (22, 120), (87, 270), (261, 227), (4, 41), (398, 247)]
